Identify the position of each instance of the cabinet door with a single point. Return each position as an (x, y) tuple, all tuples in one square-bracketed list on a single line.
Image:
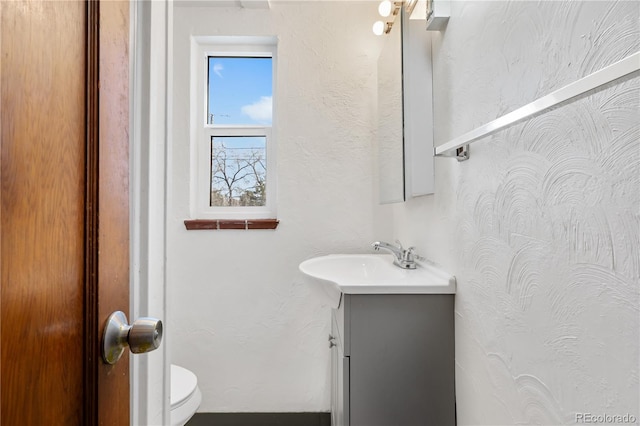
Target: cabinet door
[(339, 380), (402, 348)]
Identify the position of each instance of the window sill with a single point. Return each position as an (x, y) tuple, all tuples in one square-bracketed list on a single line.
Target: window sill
[(215, 224)]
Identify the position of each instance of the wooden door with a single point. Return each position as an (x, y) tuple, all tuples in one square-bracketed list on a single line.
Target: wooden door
[(64, 214)]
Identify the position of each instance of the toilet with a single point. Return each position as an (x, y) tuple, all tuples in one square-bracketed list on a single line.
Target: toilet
[(185, 395)]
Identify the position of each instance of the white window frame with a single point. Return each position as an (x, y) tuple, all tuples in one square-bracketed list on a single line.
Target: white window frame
[(202, 132)]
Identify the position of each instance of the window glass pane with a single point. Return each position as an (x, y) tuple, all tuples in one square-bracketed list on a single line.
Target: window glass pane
[(238, 171), (239, 91)]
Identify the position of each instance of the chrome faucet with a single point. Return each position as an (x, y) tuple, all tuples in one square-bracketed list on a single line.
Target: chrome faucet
[(406, 259)]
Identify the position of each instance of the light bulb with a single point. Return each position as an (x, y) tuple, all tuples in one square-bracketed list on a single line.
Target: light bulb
[(385, 8), (378, 28)]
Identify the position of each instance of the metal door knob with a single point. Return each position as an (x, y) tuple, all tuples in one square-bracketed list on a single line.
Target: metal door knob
[(144, 335)]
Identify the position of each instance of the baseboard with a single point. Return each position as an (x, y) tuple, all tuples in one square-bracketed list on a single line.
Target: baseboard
[(260, 419)]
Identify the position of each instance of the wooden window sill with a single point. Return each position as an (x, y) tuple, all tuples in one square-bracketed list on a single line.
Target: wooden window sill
[(215, 224)]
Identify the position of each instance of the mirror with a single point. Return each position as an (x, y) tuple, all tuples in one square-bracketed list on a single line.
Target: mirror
[(405, 113), (390, 129)]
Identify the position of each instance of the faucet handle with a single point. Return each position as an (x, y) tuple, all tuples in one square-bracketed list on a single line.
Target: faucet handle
[(410, 254), (399, 244)]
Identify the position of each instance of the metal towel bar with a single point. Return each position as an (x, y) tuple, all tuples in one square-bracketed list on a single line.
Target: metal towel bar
[(567, 93)]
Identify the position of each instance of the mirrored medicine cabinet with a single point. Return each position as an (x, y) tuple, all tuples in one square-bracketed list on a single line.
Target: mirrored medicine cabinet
[(405, 113)]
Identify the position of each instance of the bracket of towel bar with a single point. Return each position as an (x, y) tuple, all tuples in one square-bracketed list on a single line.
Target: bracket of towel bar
[(460, 153)]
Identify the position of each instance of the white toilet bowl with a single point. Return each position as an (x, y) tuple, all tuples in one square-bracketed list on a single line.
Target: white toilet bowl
[(185, 395)]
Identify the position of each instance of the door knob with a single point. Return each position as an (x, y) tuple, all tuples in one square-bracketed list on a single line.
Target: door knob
[(144, 335)]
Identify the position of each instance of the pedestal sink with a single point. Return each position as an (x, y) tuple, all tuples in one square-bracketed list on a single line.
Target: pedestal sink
[(374, 274)]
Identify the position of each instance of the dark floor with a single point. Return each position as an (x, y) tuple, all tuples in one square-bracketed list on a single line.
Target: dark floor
[(260, 419)]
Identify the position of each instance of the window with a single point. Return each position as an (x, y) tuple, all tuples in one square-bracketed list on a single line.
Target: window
[(239, 90), (238, 171), (232, 147)]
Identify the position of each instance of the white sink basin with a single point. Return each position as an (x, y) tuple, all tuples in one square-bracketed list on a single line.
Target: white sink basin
[(374, 274)]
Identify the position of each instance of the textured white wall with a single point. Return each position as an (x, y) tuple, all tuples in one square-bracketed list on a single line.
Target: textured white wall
[(239, 315), (541, 226)]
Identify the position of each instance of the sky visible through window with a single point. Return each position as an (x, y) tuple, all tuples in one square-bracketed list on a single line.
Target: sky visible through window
[(240, 91)]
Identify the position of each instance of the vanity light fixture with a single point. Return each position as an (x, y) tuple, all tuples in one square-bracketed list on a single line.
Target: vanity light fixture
[(387, 9), (384, 9), (390, 10), (380, 27), (435, 12)]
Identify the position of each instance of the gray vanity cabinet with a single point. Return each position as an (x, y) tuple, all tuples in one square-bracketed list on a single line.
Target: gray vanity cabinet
[(393, 360)]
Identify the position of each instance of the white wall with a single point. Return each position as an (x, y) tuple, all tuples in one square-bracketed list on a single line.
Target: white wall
[(240, 316), (541, 225)]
